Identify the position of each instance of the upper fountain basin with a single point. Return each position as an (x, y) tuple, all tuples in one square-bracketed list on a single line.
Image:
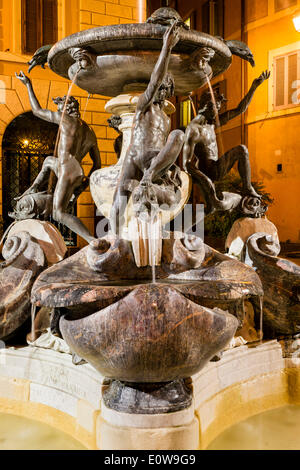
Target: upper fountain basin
[(120, 58)]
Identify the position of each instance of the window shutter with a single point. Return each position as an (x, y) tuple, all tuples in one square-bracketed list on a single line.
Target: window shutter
[(279, 82), (256, 9), (292, 75), (282, 4), (39, 20), (31, 37), (49, 19), (205, 17)]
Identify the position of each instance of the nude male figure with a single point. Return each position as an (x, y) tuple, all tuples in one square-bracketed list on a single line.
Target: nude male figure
[(153, 150), (200, 150), (76, 139)]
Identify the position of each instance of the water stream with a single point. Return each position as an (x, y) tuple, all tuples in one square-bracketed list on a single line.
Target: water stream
[(217, 115), (141, 8), (153, 243), (86, 103), (261, 317), (33, 314)]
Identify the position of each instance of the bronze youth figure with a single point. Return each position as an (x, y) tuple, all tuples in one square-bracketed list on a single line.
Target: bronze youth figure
[(153, 149), (200, 150), (76, 139)]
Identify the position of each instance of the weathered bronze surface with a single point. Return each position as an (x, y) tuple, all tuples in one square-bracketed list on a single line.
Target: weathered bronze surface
[(153, 149), (281, 284), (24, 259), (126, 54), (40, 57), (147, 398), (114, 324), (153, 334), (32, 206), (75, 140), (200, 153)]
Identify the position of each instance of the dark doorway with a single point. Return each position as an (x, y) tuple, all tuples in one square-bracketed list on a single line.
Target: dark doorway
[(27, 141)]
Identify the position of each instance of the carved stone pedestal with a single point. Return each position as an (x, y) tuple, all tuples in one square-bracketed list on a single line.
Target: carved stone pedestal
[(148, 398)]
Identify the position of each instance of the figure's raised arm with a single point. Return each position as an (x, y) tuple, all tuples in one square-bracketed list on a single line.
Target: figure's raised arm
[(37, 110), (243, 105), (170, 39)]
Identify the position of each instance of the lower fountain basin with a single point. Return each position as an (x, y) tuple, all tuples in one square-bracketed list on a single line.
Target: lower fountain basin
[(153, 334), (138, 331)]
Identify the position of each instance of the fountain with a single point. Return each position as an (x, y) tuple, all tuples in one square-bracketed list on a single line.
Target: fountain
[(145, 315), (146, 307)]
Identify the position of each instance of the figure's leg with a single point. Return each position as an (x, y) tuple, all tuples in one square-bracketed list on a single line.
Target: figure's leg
[(206, 186), (122, 194), (238, 154), (165, 158), (49, 164), (62, 195), (190, 140)]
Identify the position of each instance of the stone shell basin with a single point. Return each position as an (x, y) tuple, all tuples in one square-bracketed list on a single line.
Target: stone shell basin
[(125, 55), (137, 331)]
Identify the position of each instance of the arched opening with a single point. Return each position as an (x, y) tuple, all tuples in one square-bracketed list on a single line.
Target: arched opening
[(27, 141)]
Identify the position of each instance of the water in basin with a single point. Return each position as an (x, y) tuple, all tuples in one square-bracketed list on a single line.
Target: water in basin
[(18, 433), (277, 429)]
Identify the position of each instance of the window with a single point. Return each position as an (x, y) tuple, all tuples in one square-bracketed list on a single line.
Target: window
[(185, 112), (191, 20), (286, 80), (213, 17), (282, 4), (255, 10), (39, 24)]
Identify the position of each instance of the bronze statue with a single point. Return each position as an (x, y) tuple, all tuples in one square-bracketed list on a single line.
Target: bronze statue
[(200, 150), (76, 139), (153, 149), (114, 122)]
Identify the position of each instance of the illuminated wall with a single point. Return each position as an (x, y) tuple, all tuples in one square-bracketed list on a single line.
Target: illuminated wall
[(272, 135)]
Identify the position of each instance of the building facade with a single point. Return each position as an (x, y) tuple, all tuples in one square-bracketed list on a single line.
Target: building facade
[(270, 127), (25, 25)]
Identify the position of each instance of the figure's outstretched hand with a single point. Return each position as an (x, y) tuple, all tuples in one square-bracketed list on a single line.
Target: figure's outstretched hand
[(171, 36), (263, 76), (23, 78)]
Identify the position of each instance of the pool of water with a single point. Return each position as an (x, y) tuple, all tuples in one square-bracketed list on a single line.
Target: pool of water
[(18, 433), (277, 429)]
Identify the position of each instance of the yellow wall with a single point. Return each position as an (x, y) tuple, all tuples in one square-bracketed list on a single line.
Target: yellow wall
[(273, 137), (73, 16)]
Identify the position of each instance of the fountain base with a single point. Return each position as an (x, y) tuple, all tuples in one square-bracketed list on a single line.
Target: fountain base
[(148, 398)]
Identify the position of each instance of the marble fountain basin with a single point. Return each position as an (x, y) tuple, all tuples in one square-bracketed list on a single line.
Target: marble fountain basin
[(134, 330), (120, 58)]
